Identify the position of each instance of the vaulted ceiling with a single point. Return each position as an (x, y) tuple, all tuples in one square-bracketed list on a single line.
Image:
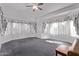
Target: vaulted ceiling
[(18, 11)]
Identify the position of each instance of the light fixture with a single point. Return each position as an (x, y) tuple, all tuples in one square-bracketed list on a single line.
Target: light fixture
[(35, 7)]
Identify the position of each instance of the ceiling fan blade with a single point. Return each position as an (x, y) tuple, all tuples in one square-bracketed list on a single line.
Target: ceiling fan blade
[(40, 8), (40, 4), (29, 6)]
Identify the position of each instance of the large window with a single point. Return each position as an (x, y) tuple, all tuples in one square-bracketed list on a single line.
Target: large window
[(61, 28), (73, 30), (19, 28), (54, 28)]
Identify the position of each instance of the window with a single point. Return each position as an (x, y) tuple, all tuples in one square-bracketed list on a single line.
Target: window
[(61, 28), (73, 31), (16, 29), (54, 28), (19, 28)]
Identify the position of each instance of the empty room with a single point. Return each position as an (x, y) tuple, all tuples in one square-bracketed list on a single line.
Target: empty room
[(39, 29)]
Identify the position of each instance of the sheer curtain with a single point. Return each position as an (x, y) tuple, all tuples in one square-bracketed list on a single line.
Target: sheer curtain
[(73, 30), (19, 28), (54, 28), (61, 28)]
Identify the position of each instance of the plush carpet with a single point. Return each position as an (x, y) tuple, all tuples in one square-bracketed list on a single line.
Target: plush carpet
[(31, 46)]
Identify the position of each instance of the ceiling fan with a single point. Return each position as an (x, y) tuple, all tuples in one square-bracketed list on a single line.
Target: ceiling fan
[(36, 6)]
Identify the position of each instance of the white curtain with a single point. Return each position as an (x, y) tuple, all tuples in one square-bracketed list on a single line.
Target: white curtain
[(19, 28), (73, 30), (54, 28), (61, 28)]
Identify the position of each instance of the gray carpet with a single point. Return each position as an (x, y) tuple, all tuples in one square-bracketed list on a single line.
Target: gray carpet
[(31, 46)]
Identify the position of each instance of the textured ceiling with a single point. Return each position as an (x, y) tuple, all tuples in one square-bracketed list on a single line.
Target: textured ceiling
[(20, 12)]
